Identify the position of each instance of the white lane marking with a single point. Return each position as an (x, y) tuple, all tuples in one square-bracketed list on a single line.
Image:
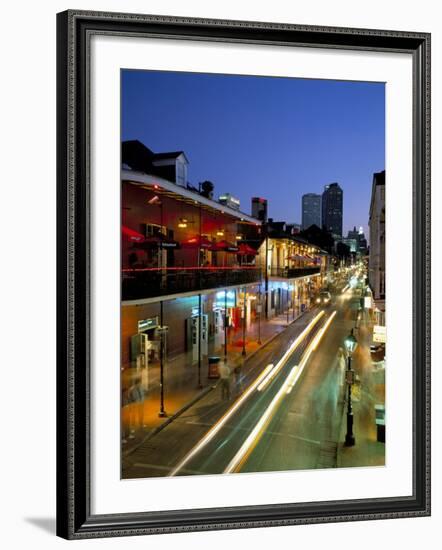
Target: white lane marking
[(260, 426), (222, 421)]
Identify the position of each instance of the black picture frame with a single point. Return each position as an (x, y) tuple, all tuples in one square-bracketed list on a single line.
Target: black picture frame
[(74, 518)]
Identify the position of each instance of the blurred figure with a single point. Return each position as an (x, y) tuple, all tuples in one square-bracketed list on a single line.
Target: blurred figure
[(136, 400), (224, 374), (341, 364), (237, 372), (124, 403)]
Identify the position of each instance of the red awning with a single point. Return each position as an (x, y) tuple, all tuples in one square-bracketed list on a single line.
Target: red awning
[(225, 246), (197, 242), (130, 235), (246, 250)]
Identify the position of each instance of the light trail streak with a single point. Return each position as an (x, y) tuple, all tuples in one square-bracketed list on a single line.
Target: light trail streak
[(222, 421), (269, 377), (257, 432), (311, 348), (289, 351)]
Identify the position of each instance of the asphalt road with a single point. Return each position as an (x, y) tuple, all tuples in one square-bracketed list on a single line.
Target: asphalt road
[(306, 427), (269, 430)]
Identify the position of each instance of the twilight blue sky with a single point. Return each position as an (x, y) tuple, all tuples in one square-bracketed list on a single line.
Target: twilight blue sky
[(276, 138)]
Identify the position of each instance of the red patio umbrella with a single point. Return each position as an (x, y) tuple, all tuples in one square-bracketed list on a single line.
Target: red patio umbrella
[(130, 235), (225, 246), (246, 250), (197, 242), (155, 241)]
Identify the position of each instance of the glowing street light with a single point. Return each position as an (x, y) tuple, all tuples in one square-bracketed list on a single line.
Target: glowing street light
[(350, 345)]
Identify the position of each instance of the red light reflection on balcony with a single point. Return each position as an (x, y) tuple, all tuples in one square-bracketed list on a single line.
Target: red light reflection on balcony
[(191, 268)]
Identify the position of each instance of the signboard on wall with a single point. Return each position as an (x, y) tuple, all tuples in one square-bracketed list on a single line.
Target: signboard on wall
[(147, 324), (379, 333)]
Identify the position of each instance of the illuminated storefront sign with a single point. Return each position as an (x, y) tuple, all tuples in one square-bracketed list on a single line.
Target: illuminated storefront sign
[(223, 299)]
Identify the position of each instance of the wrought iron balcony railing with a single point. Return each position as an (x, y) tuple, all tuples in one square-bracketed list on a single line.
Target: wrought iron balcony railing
[(294, 272), (150, 282)]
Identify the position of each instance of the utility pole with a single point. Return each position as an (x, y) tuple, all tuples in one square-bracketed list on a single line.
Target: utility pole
[(162, 412)]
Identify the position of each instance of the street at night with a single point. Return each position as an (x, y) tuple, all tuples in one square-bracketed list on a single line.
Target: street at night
[(253, 330), (287, 417)]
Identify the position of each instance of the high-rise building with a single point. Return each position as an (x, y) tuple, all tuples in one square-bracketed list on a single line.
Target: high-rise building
[(229, 200), (357, 235), (311, 210), (332, 200), (259, 208)]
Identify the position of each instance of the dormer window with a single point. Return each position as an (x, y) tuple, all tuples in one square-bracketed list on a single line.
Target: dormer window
[(181, 172)]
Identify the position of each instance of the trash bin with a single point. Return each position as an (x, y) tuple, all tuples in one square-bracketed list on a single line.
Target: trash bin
[(213, 367), (380, 422)]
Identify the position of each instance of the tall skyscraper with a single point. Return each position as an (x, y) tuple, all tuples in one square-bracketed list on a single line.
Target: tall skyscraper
[(311, 210), (332, 199), (259, 208)]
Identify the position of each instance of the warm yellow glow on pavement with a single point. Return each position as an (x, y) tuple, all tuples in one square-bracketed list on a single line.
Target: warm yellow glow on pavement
[(216, 427), (257, 432), (269, 377), (290, 350), (222, 421), (311, 348)]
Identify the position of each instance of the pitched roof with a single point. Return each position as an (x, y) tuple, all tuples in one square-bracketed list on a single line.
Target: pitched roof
[(139, 157), (172, 154)]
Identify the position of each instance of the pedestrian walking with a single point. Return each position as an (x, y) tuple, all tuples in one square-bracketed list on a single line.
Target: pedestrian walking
[(341, 364), (224, 374), (237, 372), (136, 406), (124, 425)]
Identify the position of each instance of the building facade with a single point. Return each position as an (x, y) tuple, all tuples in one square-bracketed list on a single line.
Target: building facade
[(186, 267), (229, 200), (311, 210), (259, 209), (293, 271), (332, 209), (376, 261)]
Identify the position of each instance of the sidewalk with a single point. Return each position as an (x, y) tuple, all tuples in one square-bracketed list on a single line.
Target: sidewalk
[(181, 381), (368, 392)]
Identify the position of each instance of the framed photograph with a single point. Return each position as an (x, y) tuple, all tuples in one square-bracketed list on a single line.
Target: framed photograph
[(243, 233)]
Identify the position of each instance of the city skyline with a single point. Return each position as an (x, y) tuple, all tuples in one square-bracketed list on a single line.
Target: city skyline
[(335, 128)]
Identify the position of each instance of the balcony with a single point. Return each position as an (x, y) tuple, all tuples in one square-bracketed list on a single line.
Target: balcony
[(294, 272), (138, 284)]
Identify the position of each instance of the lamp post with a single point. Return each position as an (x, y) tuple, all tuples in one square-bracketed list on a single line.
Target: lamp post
[(155, 200), (162, 331), (225, 325), (259, 315), (288, 304), (200, 328), (244, 312), (350, 345)]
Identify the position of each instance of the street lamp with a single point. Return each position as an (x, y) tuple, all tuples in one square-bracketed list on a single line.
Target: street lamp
[(350, 345), (244, 314), (259, 310), (162, 330)]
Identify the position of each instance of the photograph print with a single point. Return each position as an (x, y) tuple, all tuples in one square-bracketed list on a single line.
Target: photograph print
[(253, 307)]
